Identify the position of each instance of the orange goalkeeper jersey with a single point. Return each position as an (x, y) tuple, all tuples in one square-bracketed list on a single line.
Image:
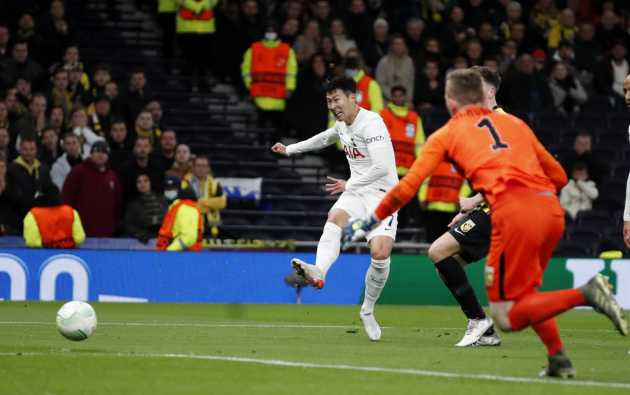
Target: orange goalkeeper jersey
[(493, 150)]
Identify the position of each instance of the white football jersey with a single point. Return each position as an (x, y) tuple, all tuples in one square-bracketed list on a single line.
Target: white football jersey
[(366, 142)]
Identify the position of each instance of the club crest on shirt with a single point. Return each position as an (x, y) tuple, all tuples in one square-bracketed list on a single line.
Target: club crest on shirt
[(352, 152), (467, 226)]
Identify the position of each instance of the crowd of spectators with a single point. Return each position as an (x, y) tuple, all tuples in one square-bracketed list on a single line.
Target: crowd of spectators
[(552, 53), (99, 140)]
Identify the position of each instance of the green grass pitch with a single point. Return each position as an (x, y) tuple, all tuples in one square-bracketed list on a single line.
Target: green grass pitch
[(288, 349)]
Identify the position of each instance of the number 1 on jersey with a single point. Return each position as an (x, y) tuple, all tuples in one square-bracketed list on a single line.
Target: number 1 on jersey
[(498, 144)]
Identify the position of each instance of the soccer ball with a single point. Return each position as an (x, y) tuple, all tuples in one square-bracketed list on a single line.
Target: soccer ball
[(76, 320)]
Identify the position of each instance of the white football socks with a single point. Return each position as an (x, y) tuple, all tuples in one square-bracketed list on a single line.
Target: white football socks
[(375, 280), (328, 247)]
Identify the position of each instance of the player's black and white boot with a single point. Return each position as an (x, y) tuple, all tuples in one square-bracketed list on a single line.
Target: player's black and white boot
[(560, 366), (474, 331)]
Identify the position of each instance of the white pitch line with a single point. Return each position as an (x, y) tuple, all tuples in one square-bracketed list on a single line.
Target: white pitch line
[(356, 368), (253, 324), (198, 325)]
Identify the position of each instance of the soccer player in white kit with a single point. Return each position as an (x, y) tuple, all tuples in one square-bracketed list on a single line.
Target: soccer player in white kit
[(370, 154)]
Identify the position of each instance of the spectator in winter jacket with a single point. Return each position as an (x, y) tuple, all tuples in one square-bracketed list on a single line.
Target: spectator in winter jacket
[(95, 192), (566, 90), (141, 162), (49, 149), (164, 156), (144, 214), (70, 158), (79, 126), (120, 144), (25, 176), (396, 68), (579, 194)]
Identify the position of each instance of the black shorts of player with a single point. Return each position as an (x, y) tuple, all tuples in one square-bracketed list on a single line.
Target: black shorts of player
[(473, 235)]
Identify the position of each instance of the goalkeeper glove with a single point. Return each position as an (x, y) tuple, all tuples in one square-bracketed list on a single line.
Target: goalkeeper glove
[(357, 229)]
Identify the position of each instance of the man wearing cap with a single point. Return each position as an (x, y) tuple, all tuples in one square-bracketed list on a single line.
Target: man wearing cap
[(182, 228), (95, 192), (52, 224)]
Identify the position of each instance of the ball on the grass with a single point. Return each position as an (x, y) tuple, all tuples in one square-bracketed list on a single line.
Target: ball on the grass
[(76, 320)]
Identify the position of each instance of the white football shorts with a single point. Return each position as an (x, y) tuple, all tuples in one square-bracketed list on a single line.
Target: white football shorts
[(362, 205)]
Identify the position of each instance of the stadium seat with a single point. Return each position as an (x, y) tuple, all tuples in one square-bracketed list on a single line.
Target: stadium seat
[(619, 122), (594, 220), (584, 236), (289, 205), (273, 220), (611, 138), (585, 121), (235, 220), (553, 120), (571, 249), (609, 203)]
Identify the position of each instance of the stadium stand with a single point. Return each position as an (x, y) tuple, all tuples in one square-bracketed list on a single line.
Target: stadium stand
[(219, 120)]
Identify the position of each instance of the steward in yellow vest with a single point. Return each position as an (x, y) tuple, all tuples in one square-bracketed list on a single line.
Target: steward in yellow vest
[(195, 27), (182, 228), (269, 71), (51, 224), (210, 197), (405, 129), (195, 16)]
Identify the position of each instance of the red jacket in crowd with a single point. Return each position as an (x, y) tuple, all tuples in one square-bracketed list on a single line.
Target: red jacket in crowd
[(97, 196)]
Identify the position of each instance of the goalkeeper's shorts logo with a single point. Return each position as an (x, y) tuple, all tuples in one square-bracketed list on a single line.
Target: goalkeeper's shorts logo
[(467, 226)]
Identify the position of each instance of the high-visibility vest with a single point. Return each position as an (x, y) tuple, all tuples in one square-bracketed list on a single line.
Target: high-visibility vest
[(363, 92), (189, 21), (402, 131), (165, 235), (269, 70), (55, 226), (444, 184), (167, 6)]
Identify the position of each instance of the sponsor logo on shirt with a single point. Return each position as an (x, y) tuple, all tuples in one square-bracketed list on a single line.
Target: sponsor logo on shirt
[(374, 139)]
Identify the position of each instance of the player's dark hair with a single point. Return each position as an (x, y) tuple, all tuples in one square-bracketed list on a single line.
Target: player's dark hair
[(344, 84), (398, 88), (489, 76), (464, 86)]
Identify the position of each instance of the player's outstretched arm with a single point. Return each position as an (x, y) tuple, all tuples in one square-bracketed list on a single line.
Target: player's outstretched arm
[(317, 142)]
